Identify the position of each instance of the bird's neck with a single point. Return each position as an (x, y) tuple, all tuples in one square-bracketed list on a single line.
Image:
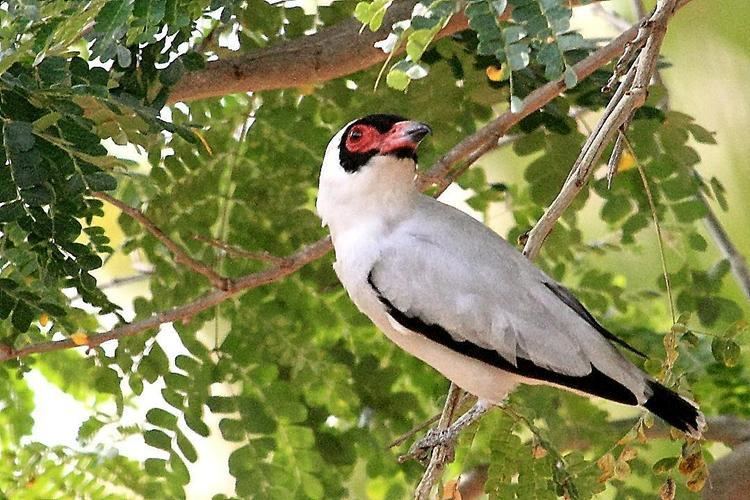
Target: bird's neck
[(367, 205)]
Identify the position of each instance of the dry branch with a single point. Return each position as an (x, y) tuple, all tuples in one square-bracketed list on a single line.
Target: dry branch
[(630, 95)]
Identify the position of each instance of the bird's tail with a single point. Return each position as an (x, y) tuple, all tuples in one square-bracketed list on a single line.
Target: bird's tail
[(679, 412)]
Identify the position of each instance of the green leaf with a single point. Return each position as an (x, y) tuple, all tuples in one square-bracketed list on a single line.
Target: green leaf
[(22, 317), (664, 465), (725, 351), (161, 418), (158, 439), (107, 380), (690, 210), (110, 27), (186, 447), (100, 181)]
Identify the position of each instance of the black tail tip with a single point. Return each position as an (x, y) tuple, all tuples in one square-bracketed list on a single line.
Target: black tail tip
[(677, 411)]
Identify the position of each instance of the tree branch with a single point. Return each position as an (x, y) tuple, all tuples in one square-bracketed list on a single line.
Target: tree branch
[(630, 95), (291, 264), (180, 256), (727, 247), (331, 53)]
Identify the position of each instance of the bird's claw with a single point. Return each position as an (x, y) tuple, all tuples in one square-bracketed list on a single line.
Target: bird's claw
[(422, 450)]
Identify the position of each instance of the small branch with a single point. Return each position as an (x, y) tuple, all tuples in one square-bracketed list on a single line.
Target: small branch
[(292, 263), (736, 259), (261, 256), (657, 227), (630, 95), (180, 256)]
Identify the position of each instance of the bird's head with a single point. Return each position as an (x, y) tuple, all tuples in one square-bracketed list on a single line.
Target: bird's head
[(371, 161)]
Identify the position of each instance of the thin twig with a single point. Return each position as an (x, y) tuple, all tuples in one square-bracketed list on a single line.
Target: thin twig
[(657, 226), (261, 256), (736, 259), (120, 282), (180, 256)]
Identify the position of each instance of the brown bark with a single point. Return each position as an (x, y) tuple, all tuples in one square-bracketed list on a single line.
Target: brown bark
[(333, 52)]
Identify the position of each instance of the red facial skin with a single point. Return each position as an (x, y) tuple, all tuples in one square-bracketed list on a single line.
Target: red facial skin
[(365, 138)]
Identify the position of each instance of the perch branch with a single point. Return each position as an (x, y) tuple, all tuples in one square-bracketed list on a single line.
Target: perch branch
[(441, 454)]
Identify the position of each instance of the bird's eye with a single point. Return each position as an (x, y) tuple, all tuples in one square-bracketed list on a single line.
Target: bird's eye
[(355, 135)]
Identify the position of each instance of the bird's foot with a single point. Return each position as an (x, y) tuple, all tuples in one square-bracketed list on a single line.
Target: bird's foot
[(443, 439)]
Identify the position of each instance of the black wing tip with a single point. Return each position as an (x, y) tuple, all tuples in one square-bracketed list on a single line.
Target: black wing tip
[(677, 411), (572, 301)]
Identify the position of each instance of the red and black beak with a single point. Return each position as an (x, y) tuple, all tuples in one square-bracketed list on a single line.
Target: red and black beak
[(405, 135)]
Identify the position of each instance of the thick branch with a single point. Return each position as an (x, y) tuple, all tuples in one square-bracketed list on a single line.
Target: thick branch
[(180, 256), (331, 53)]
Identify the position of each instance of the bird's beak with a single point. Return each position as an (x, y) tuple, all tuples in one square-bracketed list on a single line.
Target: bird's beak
[(404, 135)]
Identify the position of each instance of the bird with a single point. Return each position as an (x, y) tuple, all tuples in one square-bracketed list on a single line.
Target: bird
[(450, 291)]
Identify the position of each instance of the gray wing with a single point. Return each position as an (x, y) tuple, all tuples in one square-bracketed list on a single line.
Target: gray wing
[(447, 271)]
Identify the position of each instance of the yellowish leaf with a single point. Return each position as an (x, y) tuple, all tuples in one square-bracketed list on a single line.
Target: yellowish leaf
[(622, 469), (80, 338), (450, 491), (496, 74), (626, 161), (538, 451), (203, 141), (668, 490), (606, 464), (627, 454)]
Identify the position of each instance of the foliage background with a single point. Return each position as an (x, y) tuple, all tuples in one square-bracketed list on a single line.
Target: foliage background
[(262, 374)]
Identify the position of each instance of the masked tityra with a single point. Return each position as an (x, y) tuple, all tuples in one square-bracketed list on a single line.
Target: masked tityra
[(451, 292)]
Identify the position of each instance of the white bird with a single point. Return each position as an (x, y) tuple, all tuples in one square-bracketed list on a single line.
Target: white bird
[(450, 291)]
